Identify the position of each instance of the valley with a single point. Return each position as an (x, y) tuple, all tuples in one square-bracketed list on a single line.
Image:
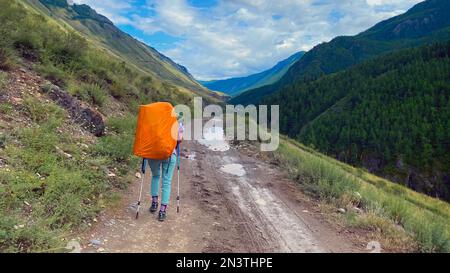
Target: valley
[(356, 98)]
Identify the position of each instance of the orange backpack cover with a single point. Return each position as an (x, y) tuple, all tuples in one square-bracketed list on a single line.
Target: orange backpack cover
[(156, 131)]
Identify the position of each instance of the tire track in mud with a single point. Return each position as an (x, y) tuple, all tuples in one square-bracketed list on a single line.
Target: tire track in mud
[(274, 226), (239, 221)]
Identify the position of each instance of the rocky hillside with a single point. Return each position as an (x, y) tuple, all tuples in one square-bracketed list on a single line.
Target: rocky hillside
[(67, 121)]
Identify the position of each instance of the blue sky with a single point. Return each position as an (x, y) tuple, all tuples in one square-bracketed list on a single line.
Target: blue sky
[(218, 39)]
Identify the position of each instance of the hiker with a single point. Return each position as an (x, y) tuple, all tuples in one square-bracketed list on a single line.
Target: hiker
[(164, 168)]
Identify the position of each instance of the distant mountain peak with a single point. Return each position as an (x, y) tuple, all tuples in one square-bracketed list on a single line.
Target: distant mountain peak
[(86, 12), (421, 19), (82, 11), (235, 86)]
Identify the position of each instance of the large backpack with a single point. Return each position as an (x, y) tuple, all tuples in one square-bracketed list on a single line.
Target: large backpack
[(156, 131)]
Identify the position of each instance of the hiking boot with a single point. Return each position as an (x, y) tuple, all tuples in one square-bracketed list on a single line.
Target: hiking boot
[(162, 216), (154, 207)]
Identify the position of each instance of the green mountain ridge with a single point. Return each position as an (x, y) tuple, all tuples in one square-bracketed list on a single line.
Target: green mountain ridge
[(426, 22), (235, 86), (390, 115)]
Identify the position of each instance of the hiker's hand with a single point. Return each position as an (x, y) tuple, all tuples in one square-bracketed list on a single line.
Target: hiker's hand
[(179, 142)]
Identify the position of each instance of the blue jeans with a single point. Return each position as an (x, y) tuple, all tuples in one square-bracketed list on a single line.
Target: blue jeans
[(168, 166)]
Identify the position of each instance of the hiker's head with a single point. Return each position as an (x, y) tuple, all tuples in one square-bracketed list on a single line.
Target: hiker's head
[(180, 116)]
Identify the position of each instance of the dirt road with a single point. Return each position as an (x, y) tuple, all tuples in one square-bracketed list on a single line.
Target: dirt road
[(230, 202)]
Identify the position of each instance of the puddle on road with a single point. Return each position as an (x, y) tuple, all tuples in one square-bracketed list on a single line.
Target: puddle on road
[(260, 201), (234, 169), (213, 138)]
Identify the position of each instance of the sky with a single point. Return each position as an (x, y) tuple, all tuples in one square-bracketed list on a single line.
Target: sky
[(217, 39)]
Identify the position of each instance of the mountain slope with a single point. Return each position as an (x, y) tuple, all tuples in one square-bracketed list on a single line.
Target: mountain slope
[(105, 34), (67, 116), (390, 115), (426, 22), (235, 86)]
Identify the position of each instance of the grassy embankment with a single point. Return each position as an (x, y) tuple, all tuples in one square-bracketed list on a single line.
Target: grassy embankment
[(400, 215)]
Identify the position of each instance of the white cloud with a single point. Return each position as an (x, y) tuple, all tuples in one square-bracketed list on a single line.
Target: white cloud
[(389, 2), (240, 37)]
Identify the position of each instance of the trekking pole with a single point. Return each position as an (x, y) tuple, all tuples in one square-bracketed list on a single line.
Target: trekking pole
[(140, 191), (178, 176)]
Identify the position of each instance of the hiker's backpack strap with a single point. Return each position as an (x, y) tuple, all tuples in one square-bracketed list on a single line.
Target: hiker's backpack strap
[(143, 165)]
